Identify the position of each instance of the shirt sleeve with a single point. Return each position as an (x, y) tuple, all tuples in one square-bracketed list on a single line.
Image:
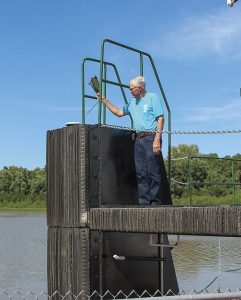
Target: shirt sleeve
[(126, 109), (157, 106)]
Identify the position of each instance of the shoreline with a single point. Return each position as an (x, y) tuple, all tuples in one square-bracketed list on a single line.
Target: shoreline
[(22, 209)]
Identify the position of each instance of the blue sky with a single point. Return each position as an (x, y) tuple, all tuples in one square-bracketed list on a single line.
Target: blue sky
[(195, 44)]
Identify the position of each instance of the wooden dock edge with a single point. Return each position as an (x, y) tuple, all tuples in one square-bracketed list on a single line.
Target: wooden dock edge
[(222, 220)]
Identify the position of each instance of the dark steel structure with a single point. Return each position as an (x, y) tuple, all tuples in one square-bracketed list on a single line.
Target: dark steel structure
[(92, 167)]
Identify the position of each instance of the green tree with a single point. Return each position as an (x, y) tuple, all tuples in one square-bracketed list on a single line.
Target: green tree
[(180, 169), (184, 150), (18, 184), (15, 180), (38, 181)]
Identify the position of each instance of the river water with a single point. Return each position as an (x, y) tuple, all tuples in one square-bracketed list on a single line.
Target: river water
[(199, 261)]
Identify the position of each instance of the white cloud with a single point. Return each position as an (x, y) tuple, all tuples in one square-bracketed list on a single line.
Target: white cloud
[(217, 34), (229, 112)]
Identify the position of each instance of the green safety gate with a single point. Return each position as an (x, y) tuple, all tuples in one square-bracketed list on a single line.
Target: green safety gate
[(103, 82)]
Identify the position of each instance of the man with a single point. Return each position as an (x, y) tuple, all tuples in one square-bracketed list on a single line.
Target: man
[(148, 117)]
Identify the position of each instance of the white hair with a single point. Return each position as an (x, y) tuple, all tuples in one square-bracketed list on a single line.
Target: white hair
[(138, 81)]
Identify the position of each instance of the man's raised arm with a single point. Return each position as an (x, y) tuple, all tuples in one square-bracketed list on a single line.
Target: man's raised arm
[(114, 109)]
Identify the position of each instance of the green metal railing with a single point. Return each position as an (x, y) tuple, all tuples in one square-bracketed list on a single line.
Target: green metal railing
[(233, 182), (103, 81)]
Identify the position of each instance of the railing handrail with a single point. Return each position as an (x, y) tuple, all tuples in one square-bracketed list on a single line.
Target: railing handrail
[(83, 83), (191, 182), (221, 158)]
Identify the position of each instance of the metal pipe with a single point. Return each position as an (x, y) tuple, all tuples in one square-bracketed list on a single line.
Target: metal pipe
[(233, 183), (190, 179), (104, 106), (215, 183), (116, 83), (141, 258), (123, 46), (222, 158), (161, 240), (91, 97), (141, 64), (98, 61), (101, 81), (160, 266), (154, 244), (101, 239), (209, 296), (83, 91)]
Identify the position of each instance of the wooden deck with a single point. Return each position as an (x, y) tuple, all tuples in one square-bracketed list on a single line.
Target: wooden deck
[(222, 220)]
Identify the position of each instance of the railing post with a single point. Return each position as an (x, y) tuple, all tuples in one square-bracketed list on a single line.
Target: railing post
[(104, 106), (190, 179), (83, 91), (141, 64), (233, 183), (101, 80)]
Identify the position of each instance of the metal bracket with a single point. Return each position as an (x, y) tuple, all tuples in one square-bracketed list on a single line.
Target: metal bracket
[(119, 257), (122, 258), (154, 244)]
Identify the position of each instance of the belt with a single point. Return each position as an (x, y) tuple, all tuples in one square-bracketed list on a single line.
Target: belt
[(144, 133)]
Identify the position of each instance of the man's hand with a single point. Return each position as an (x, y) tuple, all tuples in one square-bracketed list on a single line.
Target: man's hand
[(157, 143), (98, 96), (115, 110), (157, 146), (103, 99)]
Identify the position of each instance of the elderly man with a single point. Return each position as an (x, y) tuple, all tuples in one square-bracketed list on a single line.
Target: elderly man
[(147, 113)]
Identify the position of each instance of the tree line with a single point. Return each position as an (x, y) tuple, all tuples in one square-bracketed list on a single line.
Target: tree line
[(208, 175), (20, 184)]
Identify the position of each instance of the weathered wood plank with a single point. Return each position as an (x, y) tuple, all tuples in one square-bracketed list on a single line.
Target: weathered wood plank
[(68, 261), (223, 220), (67, 176)]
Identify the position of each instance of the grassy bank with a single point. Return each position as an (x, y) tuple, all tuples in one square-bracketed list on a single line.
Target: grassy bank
[(38, 202), (208, 200), (23, 202)]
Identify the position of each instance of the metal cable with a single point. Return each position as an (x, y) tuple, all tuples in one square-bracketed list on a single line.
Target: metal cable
[(179, 182), (206, 287), (178, 131), (179, 158)]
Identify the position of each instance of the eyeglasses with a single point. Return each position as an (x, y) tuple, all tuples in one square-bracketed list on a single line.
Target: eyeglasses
[(131, 89)]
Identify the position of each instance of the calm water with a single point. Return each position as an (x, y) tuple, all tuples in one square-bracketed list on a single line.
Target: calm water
[(23, 257), (23, 251)]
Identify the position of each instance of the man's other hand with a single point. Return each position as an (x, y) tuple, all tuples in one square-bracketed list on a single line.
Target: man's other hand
[(157, 144)]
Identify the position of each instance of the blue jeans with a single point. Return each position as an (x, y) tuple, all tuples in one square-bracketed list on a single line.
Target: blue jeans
[(148, 171)]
